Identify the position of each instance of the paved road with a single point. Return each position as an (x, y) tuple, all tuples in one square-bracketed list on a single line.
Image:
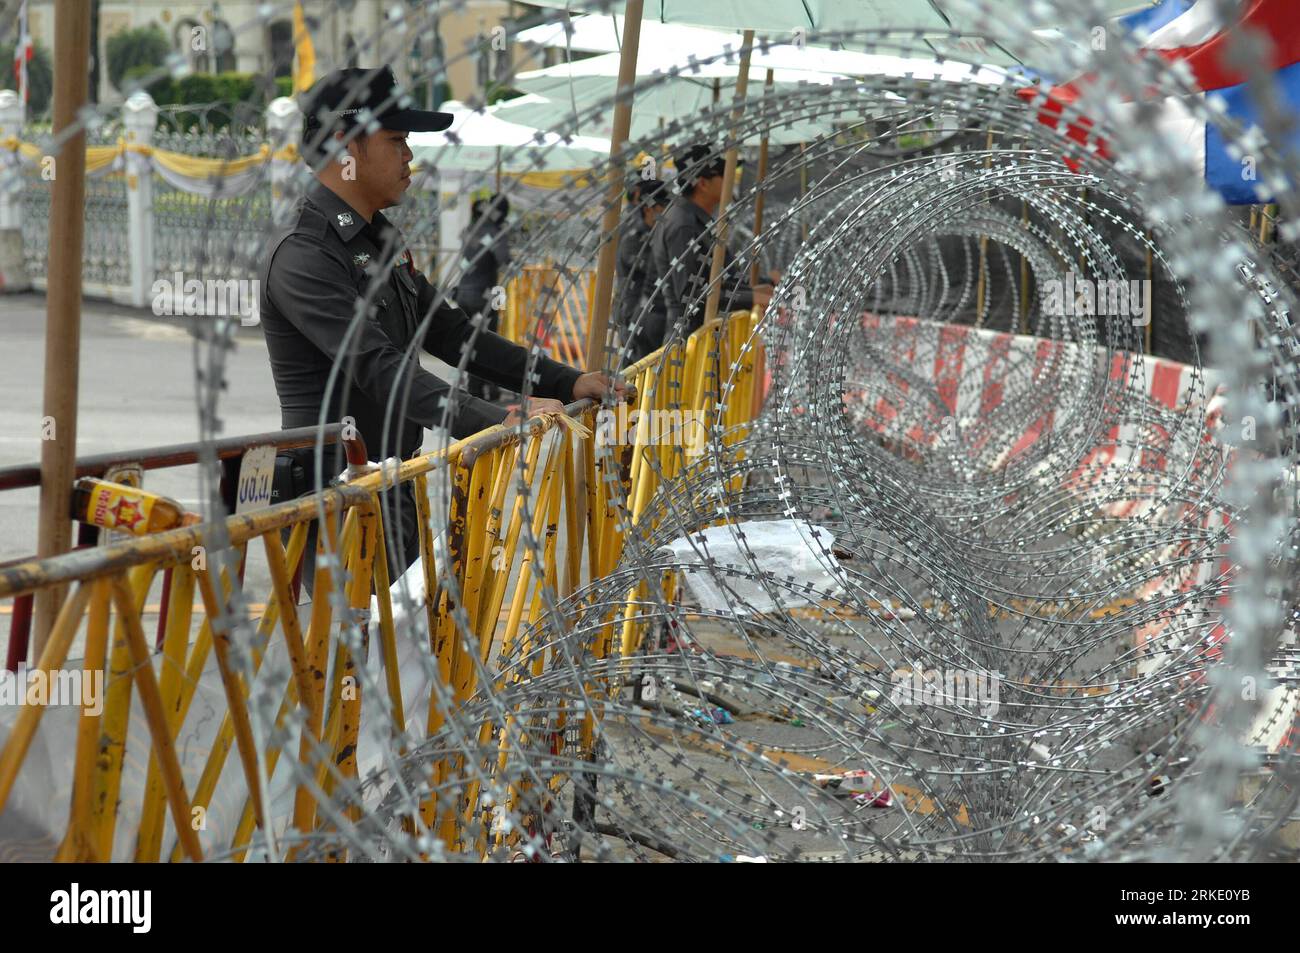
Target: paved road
[(137, 390)]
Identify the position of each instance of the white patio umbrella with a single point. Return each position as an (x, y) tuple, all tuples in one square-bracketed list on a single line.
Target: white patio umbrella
[(480, 147), (791, 61), (591, 80), (671, 98), (485, 141), (601, 33)]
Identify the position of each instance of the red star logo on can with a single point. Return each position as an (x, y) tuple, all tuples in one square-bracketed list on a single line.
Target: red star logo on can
[(127, 514)]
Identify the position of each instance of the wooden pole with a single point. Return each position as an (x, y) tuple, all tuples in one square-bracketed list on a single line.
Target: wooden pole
[(981, 279), (604, 291), (614, 188), (1266, 223), (1151, 283), (803, 190), (728, 181), (758, 184), (63, 303)]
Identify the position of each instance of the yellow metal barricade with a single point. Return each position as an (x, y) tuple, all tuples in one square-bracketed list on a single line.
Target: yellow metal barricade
[(553, 478)]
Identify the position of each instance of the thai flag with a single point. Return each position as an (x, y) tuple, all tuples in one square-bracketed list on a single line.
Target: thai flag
[(22, 52), (1192, 33), (1153, 18)]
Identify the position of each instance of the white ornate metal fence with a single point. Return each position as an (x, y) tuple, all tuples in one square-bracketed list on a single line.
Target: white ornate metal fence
[(166, 192)]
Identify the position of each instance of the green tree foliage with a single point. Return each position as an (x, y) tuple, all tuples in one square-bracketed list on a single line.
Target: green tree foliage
[(144, 46), (230, 97)]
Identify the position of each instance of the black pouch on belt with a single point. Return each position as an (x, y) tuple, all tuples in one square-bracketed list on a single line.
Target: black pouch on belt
[(290, 479)]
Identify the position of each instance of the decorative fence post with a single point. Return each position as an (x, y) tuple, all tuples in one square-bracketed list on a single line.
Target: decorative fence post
[(140, 119), (284, 128), (11, 192), (13, 274)]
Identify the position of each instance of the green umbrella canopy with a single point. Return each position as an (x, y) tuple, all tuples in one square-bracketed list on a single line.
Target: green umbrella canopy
[(776, 15), (779, 19), (588, 86), (677, 98)]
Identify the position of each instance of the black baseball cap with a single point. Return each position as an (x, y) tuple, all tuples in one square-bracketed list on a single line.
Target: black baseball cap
[(698, 161), (648, 192), (339, 99)]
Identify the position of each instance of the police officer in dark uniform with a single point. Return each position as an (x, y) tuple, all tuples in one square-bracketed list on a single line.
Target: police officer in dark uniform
[(682, 242), (338, 257), (639, 303)]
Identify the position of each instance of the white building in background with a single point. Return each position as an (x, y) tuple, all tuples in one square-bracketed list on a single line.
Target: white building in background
[(344, 33)]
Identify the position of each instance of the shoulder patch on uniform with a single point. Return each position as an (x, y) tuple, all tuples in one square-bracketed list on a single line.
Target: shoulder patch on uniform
[(311, 222)]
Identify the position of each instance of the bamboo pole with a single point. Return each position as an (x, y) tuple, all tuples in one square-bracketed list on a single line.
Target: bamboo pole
[(1151, 283), (603, 297), (63, 302), (803, 190), (1266, 223), (728, 181), (758, 185), (614, 184)]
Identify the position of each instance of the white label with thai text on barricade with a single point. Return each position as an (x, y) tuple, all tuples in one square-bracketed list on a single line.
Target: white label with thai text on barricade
[(256, 471)]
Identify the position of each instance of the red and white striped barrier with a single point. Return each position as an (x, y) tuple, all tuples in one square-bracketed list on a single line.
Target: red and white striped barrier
[(925, 376), (976, 374)]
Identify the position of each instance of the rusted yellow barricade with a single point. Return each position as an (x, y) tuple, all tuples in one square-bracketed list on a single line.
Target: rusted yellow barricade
[(558, 304), (569, 500)]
